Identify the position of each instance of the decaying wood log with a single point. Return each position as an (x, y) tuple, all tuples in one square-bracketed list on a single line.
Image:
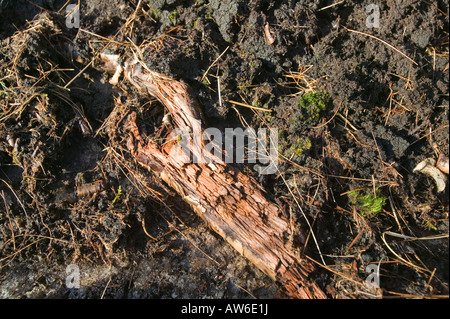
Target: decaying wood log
[(233, 204)]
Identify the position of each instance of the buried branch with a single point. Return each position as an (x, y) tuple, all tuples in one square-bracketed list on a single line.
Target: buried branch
[(233, 204)]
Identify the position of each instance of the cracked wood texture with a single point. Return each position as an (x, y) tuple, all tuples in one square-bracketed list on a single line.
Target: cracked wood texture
[(233, 204)]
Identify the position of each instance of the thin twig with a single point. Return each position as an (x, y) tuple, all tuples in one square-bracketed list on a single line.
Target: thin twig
[(330, 6), (322, 125), (336, 272), (398, 256), (428, 134), (17, 197), (382, 41), (106, 287), (416, 238), (249, 106), (212, 64), (347, 122), (152, 237), (304, 215)]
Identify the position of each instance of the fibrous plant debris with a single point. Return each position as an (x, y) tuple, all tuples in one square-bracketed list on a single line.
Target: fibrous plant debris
[(232, 204)]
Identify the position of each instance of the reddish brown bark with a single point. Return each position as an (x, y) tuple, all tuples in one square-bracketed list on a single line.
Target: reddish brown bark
[(233, 204)]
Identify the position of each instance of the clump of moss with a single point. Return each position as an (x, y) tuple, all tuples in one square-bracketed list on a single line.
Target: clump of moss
[(366, 202), (173, 16), (154, 13), (4, 90), (296, 148), (302, 144), (194, 26), (313, 103)]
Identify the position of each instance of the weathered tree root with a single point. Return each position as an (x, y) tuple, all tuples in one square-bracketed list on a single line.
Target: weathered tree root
[(233, 204)]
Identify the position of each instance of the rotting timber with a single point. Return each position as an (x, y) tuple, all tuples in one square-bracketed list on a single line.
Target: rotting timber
[(233, 204)]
